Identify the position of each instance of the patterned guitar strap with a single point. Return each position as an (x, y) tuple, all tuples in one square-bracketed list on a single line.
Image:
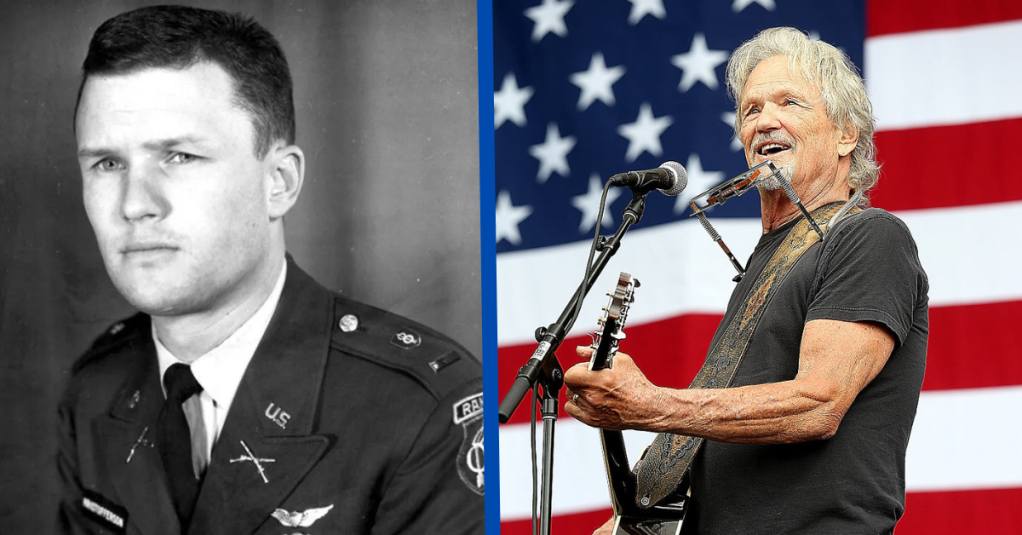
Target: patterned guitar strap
[(669, 456)]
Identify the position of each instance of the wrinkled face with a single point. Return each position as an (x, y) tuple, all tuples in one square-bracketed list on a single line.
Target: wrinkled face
[(172, 187), (784, 119)]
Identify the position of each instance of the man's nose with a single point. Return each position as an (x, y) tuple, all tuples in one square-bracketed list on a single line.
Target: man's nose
[(767, 119), (143, 194)]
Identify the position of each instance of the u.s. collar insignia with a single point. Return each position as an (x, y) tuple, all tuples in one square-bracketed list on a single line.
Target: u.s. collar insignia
[(471, 462), (300, 519), (406, 339)]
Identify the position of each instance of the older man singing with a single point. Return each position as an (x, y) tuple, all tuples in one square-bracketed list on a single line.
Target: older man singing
[(800, 418)]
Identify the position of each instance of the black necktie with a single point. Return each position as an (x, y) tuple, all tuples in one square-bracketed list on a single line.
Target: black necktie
[(175, 441)]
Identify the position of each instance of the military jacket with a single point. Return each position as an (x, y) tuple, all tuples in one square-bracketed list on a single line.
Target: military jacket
[(349, 419)]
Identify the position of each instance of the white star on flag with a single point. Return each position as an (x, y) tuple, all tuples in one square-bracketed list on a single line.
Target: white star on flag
[(596, 82), (698, 64), (644, 133), (549, 18), (740, 5), (698, 181), (508, 217), (552, 153), (641, 8), (509, 102), (729, 119), (589, 204)]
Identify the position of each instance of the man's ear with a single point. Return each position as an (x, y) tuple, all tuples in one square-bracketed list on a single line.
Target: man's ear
[(285, 175), (847, 138)]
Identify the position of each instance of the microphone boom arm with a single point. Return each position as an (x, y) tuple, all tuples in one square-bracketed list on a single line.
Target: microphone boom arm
[(543, 367)]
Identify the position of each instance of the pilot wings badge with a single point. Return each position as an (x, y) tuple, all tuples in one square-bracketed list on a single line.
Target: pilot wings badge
[(300, 519)]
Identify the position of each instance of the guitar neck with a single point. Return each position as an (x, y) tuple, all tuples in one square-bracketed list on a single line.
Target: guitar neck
[(630, 519)]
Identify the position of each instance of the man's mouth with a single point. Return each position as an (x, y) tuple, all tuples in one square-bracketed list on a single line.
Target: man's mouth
[(147, 248), (771, 148)]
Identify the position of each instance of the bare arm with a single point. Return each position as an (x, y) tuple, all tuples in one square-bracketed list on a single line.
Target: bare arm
[(836, 361)]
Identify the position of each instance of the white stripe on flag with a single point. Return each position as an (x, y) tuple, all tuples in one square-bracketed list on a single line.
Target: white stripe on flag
[(944, 77), (948, 426), (966, 439), (959, 261)]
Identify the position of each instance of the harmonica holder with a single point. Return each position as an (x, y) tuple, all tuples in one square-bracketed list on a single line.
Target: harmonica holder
[(736, 187)]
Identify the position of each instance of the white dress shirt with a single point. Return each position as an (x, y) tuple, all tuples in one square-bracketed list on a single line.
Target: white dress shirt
[(219, 371)]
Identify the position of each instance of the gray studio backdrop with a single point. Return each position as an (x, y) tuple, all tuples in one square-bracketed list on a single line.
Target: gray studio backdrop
[(386, 100)]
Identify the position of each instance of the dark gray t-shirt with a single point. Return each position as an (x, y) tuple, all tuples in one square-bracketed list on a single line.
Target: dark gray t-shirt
[(866, 270)]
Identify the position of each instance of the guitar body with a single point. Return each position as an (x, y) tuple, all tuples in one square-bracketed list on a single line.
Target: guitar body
[(630, 517), (664, 518)]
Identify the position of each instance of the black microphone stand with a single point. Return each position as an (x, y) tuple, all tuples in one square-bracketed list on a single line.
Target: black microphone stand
[(543, 369)]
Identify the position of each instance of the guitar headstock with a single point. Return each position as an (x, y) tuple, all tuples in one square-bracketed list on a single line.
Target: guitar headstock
[(611, 326)]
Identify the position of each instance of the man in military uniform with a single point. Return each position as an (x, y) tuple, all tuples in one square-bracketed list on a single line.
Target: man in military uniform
[(245, 398)]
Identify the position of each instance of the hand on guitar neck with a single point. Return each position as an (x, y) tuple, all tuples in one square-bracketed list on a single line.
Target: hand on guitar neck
[(616, 398), (611, 393)]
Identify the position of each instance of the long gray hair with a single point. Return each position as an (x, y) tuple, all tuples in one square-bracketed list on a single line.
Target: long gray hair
[(832, 72)]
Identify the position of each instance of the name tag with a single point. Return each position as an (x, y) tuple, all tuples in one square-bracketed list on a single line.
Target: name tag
[(105, 512)]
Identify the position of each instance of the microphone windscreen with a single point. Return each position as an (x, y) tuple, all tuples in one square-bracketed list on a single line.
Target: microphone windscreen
[(680, 173)]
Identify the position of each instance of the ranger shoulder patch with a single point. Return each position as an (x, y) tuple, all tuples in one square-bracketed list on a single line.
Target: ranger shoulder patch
[(468, 413)]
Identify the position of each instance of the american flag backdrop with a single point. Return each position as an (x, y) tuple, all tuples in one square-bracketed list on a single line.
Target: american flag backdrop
[(584, 89)]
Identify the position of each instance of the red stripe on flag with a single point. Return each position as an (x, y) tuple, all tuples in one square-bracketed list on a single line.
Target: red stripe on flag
[(974, 346), (929, 513), (576, 524), (970, 346), (899, 16), (912, 180), (954, 513)]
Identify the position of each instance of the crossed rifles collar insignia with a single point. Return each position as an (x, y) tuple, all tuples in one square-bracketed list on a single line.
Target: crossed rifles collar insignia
[(257, 461)]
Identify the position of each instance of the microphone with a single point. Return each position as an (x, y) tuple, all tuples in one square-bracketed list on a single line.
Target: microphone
[(670, 178)]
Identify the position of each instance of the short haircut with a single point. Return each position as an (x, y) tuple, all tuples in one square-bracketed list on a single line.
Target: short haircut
[(180, 37), (832, 72)]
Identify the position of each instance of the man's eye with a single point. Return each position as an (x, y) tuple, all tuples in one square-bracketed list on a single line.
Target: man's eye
[(181, 157), (108, 164), (751, 111)]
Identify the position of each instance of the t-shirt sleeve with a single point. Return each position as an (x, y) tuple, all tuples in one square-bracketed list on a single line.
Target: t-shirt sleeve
[(869, 271)]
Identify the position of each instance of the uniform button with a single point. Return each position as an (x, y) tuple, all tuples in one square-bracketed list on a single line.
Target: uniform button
[(348, 323)]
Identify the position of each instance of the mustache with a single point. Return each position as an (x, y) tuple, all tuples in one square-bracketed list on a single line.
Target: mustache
[(769, 136)]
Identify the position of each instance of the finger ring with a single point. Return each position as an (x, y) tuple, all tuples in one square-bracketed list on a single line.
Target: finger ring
[(574, 399)]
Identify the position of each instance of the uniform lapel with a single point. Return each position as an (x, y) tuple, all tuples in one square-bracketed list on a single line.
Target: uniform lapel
[(272, 416), (129, 449)]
